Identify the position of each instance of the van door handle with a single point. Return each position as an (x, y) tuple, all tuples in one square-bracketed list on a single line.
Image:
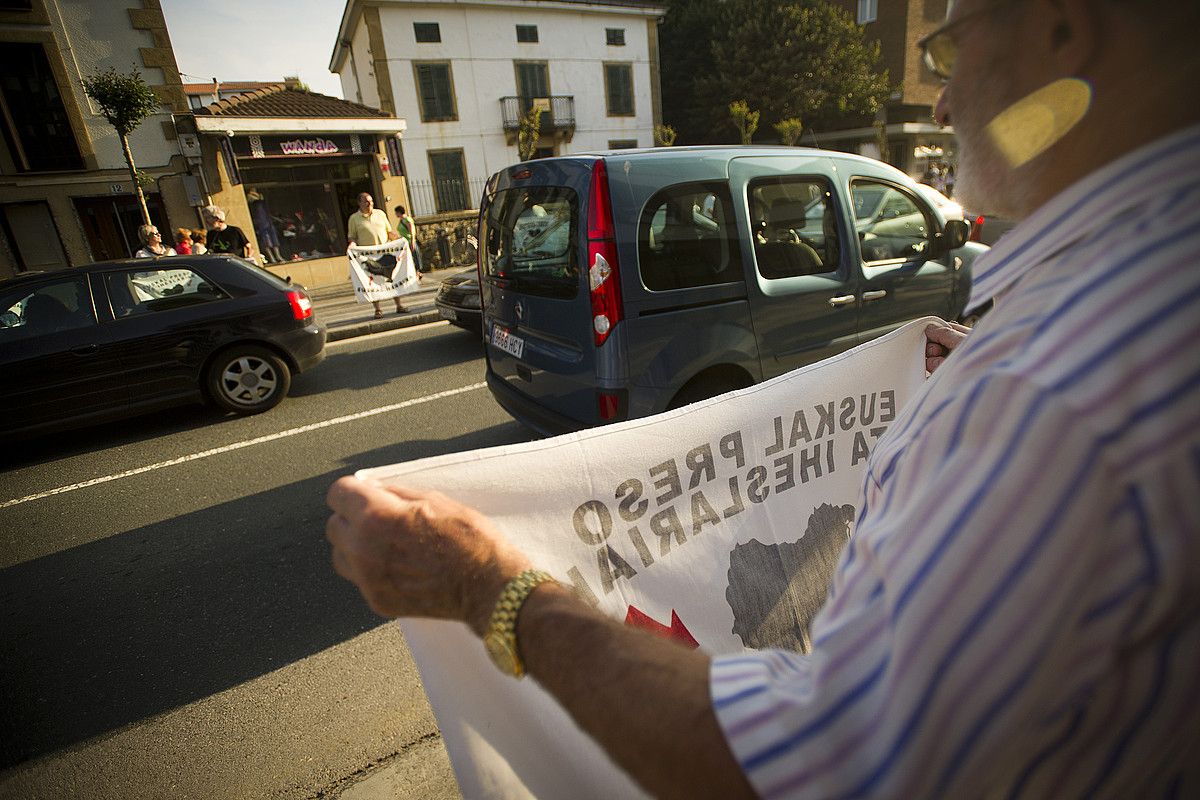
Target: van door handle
[(843, 300), (876, 295), (85, 350)]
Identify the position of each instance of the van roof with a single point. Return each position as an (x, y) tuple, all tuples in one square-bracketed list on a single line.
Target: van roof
[(715, 149)]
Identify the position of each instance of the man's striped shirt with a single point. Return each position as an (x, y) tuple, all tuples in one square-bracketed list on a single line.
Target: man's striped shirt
[(1017, 613)]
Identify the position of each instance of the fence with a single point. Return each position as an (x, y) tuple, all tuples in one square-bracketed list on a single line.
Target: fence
[(439, 197)]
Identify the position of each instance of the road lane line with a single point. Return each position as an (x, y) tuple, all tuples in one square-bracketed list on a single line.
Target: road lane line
[(216, 451)]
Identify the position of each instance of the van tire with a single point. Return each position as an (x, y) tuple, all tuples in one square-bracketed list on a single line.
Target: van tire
[(702, 388)]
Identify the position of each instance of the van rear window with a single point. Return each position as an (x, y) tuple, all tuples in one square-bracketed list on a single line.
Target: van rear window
[(529, 238)]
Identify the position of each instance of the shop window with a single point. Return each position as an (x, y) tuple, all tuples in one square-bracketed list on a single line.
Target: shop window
[(867, 11), (527, 33), (36, 128), (435, 89), (614, 37), (449, 177), (688, 237), (618, 88), (34, 236), (301, 206), (795, 227), (427, 32)]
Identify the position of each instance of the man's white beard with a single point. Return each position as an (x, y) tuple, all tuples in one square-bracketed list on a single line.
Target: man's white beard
[(984, 183)]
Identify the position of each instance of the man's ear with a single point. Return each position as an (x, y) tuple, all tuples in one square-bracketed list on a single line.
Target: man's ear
[(1070, 34)]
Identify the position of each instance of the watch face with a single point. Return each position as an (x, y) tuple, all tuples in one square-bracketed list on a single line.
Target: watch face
[(499, 647)]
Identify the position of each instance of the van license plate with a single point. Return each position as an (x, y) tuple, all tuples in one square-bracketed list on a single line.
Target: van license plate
[(513, 345)]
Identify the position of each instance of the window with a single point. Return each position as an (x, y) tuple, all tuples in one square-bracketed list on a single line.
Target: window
[(148, 291), (533, 82), (795, 227), (867, 10), (618, 88), (614, 36), (529, 236), (688, 237), (449, 177), (435, 89), (427, 32), (892, 224), (622, 144), (36, 128), (33, 235), (44, 309), (527, 33)]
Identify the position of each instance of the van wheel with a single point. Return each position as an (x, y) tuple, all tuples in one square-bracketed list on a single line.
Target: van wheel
[(247, 379), (703, 389)]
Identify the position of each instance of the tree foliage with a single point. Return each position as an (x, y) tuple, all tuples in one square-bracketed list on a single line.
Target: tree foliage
[(745, 120), (664, 136), (529, 131), (797, 59), (789, 130), (124, 100)]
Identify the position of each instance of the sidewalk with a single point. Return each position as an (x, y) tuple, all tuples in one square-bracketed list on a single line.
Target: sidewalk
[(345, 318)]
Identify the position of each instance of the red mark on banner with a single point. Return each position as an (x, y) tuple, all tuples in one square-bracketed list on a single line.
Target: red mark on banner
[(678, 632)]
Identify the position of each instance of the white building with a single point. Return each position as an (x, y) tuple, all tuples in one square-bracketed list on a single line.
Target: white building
[(462, 74)]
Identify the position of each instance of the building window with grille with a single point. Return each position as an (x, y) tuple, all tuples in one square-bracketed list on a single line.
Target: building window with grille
[(427, 32), (614, 36), (867, 10), (449, 176), (435, 88), (34, 120), (527, 33), (618, 88)]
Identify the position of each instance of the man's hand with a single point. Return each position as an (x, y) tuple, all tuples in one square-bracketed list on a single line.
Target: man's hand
[(419, 554), (941, 339)]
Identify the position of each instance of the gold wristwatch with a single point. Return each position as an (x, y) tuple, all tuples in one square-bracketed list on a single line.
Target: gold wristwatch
[(500, 641)]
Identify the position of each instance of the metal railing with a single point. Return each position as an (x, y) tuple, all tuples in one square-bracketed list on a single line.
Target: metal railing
[(558, 111), (439, 197)]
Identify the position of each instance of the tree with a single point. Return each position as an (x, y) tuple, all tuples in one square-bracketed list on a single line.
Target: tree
[(125, 101), (529, 131), (789, 130), (789, 59), (745, 120), (664, 136)]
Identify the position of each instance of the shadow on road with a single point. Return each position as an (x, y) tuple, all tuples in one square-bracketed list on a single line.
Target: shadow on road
[(109, 633)]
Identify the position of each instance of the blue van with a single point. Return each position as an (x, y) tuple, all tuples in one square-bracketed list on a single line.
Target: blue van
[(621, 284)]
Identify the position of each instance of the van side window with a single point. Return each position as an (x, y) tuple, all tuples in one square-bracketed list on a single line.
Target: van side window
[(892, 224), (795, 227), (687, 237)]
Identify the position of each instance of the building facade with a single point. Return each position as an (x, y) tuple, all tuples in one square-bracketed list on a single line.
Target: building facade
[(463, 74), (911, 139), (66, 196)]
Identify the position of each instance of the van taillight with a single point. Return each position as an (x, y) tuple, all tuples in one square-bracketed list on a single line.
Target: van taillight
[(977, 229), (301, 305), (603, 278), (608, 404)]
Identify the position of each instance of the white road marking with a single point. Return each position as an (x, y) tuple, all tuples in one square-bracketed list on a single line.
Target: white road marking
[(216, 451)]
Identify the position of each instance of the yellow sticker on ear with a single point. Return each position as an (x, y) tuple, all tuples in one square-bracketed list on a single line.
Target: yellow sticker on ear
[(1031, 126)]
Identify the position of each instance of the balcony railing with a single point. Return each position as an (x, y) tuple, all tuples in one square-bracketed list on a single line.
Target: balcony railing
[(558, 112)]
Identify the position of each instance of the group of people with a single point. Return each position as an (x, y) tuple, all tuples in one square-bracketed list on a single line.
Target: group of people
[(940, 176), (1017, 613), (370, 226), (218, 238)]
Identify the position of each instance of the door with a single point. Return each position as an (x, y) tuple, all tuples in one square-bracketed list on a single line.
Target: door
[(533, 83), (801, 284), (57, 360), (895, 236), (111, 224)]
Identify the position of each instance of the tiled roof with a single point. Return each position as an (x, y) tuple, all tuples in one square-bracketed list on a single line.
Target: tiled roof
[(228, 86), (281, 101)]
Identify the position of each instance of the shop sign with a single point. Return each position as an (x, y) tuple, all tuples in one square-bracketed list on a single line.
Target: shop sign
[(299, 144)]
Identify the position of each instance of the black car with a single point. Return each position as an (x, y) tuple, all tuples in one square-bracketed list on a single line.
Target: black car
[(458, 300), (118, 338)]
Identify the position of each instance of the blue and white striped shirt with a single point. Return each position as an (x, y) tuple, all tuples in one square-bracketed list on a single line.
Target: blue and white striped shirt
[(1018, 612)]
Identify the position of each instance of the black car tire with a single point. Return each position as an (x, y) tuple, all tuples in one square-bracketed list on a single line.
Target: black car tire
[(247, 379)]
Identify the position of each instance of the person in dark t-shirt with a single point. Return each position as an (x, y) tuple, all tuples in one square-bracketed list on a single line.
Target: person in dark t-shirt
[(224, 238)]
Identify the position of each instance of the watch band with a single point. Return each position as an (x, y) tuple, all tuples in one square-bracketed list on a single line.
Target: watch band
[(500, 640)]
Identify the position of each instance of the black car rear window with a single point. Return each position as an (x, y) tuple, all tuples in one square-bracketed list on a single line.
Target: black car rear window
[(529, 238)]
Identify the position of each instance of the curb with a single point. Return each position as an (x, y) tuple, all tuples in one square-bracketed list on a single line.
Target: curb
[(355, 329)]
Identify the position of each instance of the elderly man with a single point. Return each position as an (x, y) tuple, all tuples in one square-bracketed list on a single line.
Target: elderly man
[(1018, 611), (369, 226), (224, 238)]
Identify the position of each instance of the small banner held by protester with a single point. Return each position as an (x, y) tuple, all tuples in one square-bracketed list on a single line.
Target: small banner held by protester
[(718, 525), (383, 270)]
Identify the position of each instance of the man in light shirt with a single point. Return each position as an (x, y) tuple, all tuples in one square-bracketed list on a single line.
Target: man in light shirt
[(369, 226), (1018, 611)]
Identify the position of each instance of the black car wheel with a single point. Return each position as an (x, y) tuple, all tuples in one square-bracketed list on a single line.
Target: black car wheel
[(248, 379)]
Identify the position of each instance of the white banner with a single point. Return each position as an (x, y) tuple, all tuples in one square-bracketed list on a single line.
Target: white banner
[(719, 524), (383, 270)]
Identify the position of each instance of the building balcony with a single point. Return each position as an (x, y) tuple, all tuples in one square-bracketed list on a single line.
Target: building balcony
[(558, 114)]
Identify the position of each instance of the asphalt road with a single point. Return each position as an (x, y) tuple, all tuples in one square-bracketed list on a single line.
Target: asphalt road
[(169, 622)]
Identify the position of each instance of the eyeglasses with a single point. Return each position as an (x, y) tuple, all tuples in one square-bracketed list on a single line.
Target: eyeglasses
[(154, 233), (938, 48)]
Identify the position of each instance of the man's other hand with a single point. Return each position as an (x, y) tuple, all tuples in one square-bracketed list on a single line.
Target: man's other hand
[(940, 340), (416, 553)]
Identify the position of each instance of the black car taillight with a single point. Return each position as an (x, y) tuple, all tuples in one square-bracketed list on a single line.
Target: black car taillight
[(300, 303), (603, 278)]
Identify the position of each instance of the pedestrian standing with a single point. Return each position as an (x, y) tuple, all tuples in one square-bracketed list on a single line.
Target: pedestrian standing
[(152, 243), (199, 237), (222, 238), (367, 227), (183, 241), (406, 226)]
